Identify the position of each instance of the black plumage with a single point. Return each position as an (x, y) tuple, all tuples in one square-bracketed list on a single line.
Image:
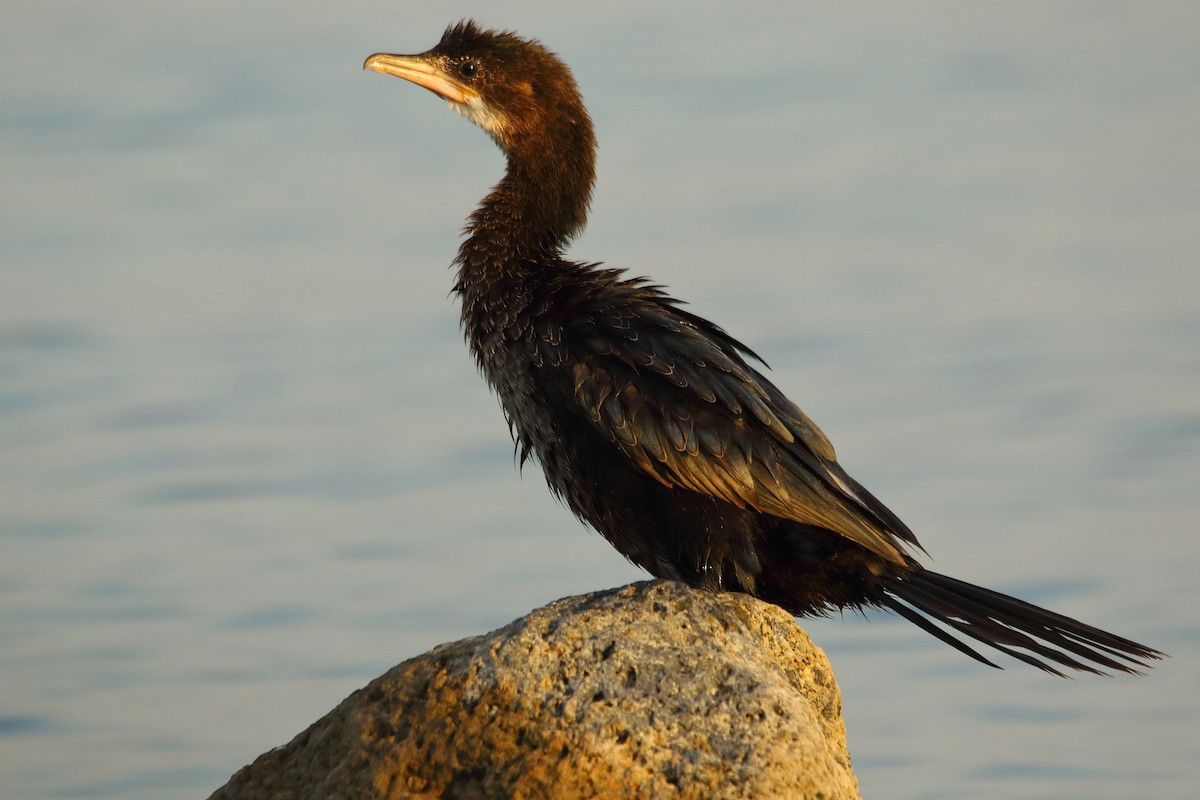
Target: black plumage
[(650, 422)]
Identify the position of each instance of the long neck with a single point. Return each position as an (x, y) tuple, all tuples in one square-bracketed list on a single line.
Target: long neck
[(527, 220)]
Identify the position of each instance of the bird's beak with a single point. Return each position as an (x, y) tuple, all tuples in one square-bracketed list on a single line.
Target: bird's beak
[(419, 70)]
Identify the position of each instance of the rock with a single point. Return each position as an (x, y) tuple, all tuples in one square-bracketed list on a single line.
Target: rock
[(653, 690)]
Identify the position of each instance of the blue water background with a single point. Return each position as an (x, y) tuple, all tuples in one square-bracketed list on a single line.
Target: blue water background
[(246, 464)]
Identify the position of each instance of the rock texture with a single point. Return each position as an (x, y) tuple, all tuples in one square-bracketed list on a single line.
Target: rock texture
[(654, 690)]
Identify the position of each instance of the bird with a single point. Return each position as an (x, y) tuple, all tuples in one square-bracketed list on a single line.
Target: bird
[(652, 424)]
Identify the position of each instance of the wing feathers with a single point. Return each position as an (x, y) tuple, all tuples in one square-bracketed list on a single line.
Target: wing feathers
[(675, 395)]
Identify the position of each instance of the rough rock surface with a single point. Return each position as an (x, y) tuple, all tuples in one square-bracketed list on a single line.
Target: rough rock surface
[(653, 690)]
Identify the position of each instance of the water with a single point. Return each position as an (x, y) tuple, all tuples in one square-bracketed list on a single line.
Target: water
[(247, 464)]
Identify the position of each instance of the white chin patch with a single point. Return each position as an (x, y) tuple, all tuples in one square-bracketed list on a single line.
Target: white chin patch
[(480, 113)]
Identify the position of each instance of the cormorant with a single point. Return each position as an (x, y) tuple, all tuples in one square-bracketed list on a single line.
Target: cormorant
[(649, 422)]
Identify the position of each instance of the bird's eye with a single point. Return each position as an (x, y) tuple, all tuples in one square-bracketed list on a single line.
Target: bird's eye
[(468, 69)]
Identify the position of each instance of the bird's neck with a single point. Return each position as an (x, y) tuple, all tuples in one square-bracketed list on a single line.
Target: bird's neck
[(528, 219), (514, 238)]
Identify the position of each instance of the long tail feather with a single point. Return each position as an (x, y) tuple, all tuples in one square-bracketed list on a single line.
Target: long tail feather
[(1022, 630)]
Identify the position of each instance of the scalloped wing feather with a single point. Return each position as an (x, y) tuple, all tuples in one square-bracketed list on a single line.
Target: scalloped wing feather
[(680, 402)]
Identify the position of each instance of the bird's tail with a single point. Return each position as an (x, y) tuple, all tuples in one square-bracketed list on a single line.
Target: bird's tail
[(1022, 630)]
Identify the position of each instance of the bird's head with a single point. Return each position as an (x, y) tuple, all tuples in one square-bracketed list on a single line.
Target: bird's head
[(515, 89)]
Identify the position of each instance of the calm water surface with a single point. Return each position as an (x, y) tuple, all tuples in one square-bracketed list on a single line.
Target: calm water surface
[(247, 465)]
